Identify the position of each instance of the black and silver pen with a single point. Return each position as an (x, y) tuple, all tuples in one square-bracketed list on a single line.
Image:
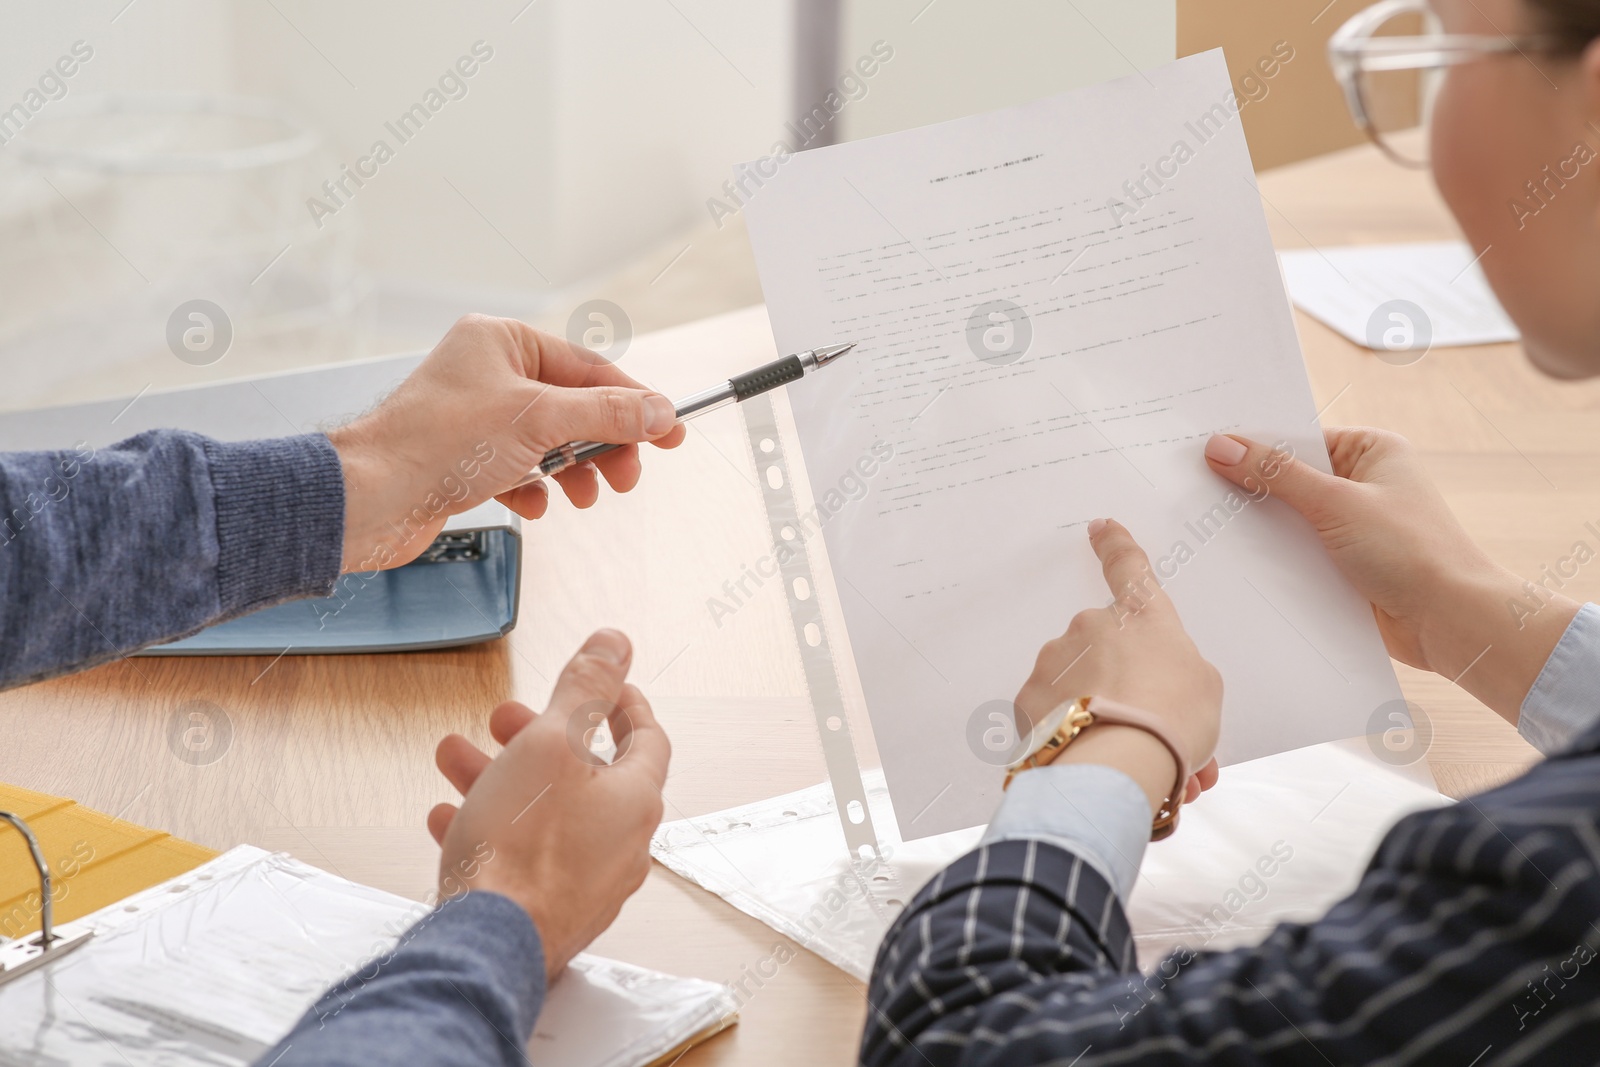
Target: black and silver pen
[(739, 387)]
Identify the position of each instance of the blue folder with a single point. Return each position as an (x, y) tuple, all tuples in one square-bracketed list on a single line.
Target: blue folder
[(463, 590)]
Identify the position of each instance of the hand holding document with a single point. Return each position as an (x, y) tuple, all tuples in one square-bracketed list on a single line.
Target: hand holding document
[(1055, 306)]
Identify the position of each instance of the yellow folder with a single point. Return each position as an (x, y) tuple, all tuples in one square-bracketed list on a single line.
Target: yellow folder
[(95, 860)]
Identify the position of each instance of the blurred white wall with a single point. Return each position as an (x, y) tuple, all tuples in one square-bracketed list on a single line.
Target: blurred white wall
[(579, 158), (599, 126), (180, 45), (595, 130), (173, 44), (586, 133), (961, 57)]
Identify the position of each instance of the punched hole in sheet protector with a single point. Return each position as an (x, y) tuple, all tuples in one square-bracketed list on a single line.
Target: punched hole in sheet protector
[(802, 589), (775, 477), (855, 811)]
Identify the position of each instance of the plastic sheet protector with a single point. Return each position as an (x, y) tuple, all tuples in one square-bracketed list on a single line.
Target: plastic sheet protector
[(215, 966), (1280, 839)]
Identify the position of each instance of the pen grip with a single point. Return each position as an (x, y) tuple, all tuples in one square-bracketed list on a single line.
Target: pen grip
[(570, 455), (771, 376)]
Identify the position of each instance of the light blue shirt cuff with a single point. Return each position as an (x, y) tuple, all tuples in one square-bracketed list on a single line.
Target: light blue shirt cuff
[(1565, 698), (1096, 813)]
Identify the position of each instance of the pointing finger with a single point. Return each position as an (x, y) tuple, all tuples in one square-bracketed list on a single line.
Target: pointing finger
[(1123, 562)]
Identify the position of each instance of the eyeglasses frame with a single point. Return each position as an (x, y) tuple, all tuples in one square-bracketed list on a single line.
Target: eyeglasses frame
[(1354, 50)]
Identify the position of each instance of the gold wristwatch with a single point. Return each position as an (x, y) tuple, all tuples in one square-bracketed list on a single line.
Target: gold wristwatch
[(1052, 734)]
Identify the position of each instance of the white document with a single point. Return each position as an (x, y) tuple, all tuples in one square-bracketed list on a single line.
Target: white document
[(215, 966), (1363, 293), (1150, 320)]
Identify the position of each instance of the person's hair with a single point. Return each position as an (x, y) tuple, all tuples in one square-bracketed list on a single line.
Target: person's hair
[(1572, 24)]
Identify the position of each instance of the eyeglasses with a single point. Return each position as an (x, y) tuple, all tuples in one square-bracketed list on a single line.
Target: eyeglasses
[(1389, 76)]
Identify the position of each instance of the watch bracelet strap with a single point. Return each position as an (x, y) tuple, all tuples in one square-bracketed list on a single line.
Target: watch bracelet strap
[(1111, 711)]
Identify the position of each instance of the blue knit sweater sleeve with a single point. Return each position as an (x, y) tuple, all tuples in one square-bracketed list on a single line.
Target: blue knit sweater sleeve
[(104, 551), (463, 987)]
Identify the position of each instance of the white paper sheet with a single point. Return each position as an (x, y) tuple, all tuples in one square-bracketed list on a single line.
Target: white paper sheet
[(1151, 324), (1362, 292)]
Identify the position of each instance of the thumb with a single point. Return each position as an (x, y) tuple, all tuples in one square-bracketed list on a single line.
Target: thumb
[(595, 675), (1262, 471), (608, 413)]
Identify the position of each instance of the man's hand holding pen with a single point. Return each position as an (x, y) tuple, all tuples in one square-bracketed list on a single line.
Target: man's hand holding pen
[(480, 412), (497, 408)]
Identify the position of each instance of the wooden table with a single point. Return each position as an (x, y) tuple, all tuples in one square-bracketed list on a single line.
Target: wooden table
[(330, 758)]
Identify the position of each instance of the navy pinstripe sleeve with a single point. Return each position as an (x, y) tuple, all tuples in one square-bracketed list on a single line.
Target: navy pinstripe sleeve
[(1470, 940)]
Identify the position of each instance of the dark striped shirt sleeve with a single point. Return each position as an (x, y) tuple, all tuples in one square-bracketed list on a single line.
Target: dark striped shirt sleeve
[(1470, 940)]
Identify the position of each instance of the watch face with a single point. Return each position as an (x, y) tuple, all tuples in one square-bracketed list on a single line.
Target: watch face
[(1044, 730)]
